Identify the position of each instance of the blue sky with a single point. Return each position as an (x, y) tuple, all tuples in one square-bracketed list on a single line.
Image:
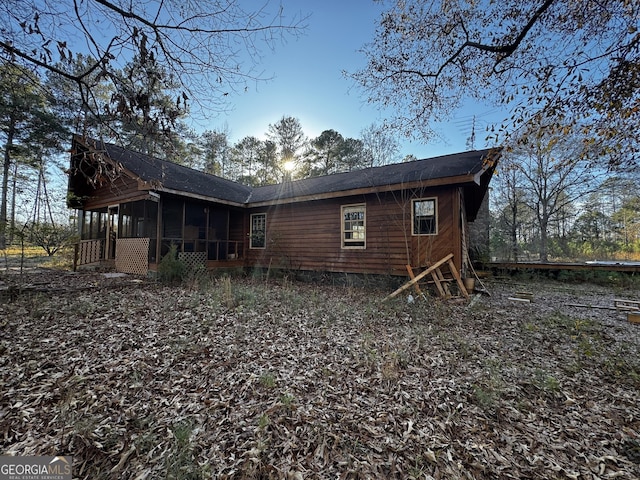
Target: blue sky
[(308, 84)]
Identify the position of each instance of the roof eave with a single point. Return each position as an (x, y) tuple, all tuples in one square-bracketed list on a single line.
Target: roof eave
[(197, 196)]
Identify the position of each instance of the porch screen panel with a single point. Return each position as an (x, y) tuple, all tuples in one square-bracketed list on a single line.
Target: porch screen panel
[(195, 227), (218, 234), (94, 225), (172, 221), (139, 220), (151, 228)]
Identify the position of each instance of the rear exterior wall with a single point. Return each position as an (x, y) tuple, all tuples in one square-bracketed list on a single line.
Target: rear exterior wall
[(307, 235)]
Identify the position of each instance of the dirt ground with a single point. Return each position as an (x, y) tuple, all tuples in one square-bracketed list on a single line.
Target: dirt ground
[(245, 378)]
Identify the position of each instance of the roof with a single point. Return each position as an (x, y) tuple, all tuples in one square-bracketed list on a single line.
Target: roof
[(465, 168), (170, 176), (457, 168)]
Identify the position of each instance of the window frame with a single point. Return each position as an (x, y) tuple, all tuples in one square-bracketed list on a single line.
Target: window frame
[(435, 216), (252, 231), (350, 244)]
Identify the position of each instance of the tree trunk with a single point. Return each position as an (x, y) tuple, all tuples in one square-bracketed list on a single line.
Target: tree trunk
[(14, 188), (544, 238), (514, 233), (543, 220), (5, 182)]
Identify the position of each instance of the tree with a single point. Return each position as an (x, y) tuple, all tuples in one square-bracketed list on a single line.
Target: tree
[(214, 145), (429, 57), (553, 173), (51, 237), (245, 156), (509, 196), (211, 48), (289, 137), (330, 153), (27, 126), (69, 105), (352, 155), (627, 219), (153, 125), (268, 171), (323, 157), (380, 146)]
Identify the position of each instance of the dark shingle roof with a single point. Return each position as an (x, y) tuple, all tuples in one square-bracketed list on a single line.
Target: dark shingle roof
[(171, 176), (166, 175), (447, 166)]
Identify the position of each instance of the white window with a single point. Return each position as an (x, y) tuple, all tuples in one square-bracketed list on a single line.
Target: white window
[(425, 218), (354, 226), (258, 233)]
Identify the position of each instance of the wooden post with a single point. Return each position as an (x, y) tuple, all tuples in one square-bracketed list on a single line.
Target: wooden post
[(412, 276), (436, 281), (76, 247), (456, 275)]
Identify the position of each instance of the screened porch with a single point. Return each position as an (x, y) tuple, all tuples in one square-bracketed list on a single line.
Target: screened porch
[(134, 236)]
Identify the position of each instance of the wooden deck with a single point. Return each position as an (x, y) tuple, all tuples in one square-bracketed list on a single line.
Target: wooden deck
[(556, 267)]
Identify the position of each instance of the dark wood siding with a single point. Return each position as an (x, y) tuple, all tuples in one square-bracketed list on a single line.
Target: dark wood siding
[(307, 236), (123, 189)]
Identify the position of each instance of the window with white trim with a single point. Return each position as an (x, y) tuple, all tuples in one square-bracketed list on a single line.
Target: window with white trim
[(258, 231), (354, 226), (425, 218)]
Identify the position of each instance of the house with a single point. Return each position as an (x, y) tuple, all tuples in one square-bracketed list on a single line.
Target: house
[(133, 207)]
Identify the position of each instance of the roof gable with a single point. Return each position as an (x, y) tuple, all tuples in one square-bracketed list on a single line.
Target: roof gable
[(163, 175)]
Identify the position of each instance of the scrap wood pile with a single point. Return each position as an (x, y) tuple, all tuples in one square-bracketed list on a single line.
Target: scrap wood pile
[(439, 280), (246, 380)]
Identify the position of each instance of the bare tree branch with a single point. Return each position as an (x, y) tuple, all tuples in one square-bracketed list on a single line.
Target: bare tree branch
[(211, 48)]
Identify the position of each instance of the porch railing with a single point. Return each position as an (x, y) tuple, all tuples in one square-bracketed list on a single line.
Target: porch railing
[(226, 250), (87, 252), (217, 250)]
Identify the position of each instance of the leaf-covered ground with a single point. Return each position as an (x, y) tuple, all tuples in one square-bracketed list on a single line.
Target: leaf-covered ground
[(236, 378)]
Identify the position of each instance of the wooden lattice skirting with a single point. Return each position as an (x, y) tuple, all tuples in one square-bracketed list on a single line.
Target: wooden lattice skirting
[(132, 255), (193, 259)]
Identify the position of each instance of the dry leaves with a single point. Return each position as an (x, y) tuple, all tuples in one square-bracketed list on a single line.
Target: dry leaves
[(279, 380)]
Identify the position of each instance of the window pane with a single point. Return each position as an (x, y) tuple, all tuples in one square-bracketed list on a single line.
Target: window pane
[(425, 208), (424, 217), (353, 227), (258, 230)]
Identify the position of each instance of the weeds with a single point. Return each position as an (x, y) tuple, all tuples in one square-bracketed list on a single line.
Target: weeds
[(287, 400), (181, 463), (267, 380), (171, 269), (622, 365), (263, 422), (545, 381), (487, 394), (485, 398)]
